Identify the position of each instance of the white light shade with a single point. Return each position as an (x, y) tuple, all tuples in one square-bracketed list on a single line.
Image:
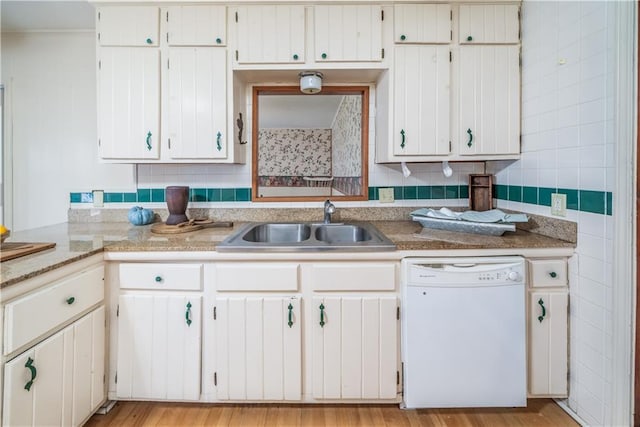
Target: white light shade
[(310, 82)]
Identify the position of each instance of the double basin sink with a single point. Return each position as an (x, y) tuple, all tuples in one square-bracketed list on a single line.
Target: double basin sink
[(307, 237)]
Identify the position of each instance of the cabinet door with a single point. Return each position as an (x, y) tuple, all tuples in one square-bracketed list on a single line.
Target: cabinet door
[(159, 341), (128, 26), (88, 364), (489, 23), (421, 90), (197, 103), (129, 103), (348, 33), (270, 34), (197, 25), (548, 343), (422, 23), (355, 347), (489, 111), (259, 348)]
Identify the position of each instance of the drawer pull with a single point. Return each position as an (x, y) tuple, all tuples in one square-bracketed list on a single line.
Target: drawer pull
[(187, 314), (290, 322), (402, 144), (158, 279), (70, 300), (553, 274), (322, 315), (544, 310), (30, 367)]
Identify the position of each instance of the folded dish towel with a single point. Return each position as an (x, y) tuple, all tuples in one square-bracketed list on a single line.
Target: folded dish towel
[(493, 215)]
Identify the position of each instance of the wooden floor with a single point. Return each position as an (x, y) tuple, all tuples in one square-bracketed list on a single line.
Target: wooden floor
[(540, 412)]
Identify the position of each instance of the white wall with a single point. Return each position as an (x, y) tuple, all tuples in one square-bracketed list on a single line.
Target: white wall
[(568, 88), (50, 116)]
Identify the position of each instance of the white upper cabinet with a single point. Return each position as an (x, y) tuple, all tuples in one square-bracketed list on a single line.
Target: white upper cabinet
[(489, 100), (128, 26), (197, 103), (197, 25), (129, 103), (489, 23), (422, 23), (421, 100), (350, 33), (269, 34)]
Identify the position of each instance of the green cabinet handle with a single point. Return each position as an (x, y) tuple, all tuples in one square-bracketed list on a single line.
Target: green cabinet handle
[(158, 279), (149, 41), (149, 141), (290, 322), (544, 310), (403, 37), (295, 56), (218, 141), (402, 144), (70, 300), (469, 38), (322, 315), (324, 56), (30, 367), (187, 314), (553, 274), (219, 40), (470, 142)]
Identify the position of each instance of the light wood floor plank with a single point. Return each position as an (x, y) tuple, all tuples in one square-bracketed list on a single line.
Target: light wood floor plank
[(539, 413)]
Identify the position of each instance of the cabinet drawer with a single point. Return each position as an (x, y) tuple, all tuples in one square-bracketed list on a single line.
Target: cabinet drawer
[(31, 316), (257, 277), (353, 277), (182, 277), (547, 272)]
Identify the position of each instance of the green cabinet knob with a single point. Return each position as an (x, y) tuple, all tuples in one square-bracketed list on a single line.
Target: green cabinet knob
[(70, 300), (295, 56), (469, 38), (553, 274), (218, 40), (149, 41), (403, 37), (158, 279), (324, 56)]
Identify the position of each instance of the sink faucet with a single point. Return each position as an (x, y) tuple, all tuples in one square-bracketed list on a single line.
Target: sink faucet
[(329, 208)]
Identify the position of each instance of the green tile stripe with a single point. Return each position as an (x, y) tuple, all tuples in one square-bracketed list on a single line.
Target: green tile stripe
[(599, 202), (156, 195), (424, 192)]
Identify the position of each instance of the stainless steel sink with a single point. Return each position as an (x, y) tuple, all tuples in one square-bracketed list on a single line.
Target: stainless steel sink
[(309, 237), (278, 233), (342, 233)]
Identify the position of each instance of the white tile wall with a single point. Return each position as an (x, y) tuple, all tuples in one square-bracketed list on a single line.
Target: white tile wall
[(567, 91)]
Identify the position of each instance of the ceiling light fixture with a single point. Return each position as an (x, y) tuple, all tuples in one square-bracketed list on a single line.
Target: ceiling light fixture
[(310, 81)]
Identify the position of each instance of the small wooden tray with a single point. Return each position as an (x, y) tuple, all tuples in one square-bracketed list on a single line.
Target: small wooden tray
[(185, 227), (12, 250)]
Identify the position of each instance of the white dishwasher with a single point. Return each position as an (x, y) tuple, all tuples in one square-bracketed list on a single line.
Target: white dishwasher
[(464, 332)]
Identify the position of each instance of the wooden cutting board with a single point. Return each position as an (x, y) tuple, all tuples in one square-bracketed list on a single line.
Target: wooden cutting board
[(14, 250), (162, 228)]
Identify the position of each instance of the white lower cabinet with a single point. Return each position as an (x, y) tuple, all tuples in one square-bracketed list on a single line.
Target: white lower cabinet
[(355, 347), (59, 381), (258, 348), (159, 346)]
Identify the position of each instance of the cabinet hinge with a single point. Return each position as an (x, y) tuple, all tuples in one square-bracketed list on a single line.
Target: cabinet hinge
[(215, 378), (236, 16), (104, 378), (449, 146), (382, 53), (451, 15), (116, 379), (382, 15), (397, 377), (214, 313), (450, 57), (99, 65), (451, 35), (98, 16), (169, 140), (236, 55), (167, 16), (99, 143), (118, 311), (398, 313), (168, 66), (98, 36), (167, 37)]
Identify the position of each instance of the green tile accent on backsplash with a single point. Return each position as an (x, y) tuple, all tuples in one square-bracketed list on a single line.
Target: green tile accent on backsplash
[(515, 193), (599, 202), (530, 195)]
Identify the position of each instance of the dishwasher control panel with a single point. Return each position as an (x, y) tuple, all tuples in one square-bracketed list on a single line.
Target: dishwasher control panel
[(452, 271)]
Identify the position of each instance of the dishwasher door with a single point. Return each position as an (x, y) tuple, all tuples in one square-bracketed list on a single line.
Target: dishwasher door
[(464, 341)]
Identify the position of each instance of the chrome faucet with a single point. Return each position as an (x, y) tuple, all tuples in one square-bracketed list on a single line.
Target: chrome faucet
[(329, 208)]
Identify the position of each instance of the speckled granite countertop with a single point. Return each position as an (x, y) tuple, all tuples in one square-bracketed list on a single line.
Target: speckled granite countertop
[(75, 241)]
